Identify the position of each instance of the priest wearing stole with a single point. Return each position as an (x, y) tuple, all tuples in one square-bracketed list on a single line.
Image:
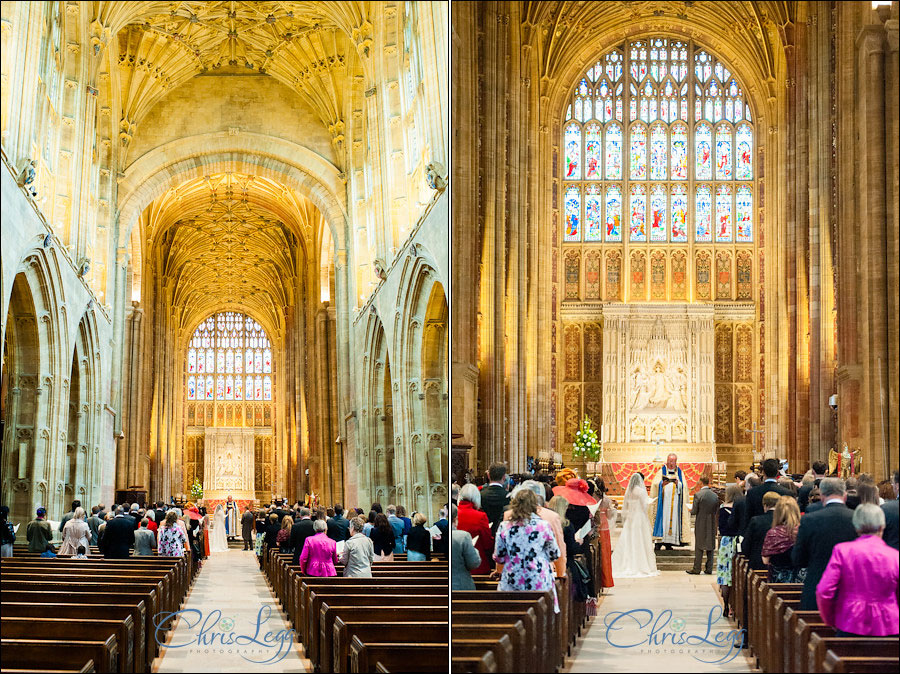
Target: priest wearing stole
[(231, 519), (671, 524)]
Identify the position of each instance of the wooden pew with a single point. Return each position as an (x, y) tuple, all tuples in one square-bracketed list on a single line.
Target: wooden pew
[(523, 659), (87, 668), (486, 663), (793, 641), (503, 617), (402, 657), (501, 647), (861, 665), (41, 655), (860, 647), (425, 632)]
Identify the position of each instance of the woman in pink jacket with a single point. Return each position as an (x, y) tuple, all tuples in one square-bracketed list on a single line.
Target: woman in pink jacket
[(858, 591), (319, 553)]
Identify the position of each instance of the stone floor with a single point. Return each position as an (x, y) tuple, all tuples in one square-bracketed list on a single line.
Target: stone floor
[(221, 628)]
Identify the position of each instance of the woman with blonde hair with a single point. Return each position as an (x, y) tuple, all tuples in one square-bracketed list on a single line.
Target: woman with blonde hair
[(75, 533), (779, 541), (524, 549), (283, 537)]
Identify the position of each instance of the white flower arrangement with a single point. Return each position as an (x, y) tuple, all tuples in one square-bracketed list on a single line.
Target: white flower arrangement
[(586, 445)]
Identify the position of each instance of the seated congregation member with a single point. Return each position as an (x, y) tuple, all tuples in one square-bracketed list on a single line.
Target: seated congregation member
[(525, 549), (38, 533), (358, 553), (319, 552), (383, 539), (465, 557), (858, 590), (757, 528), (418, 542), (173, 540), (779, 542), (302, 530), (341, 528), (472, 519), (118, 536), (727, 545), (442, 545), (75, 533), (283, 537), (144, 539), (819, 532)]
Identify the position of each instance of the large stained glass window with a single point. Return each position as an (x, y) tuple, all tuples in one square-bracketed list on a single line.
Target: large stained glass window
[(679, 122), (223, 348)]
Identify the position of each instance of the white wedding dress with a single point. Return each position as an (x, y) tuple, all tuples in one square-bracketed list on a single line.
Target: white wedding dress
[(633, 556), (217, 541)]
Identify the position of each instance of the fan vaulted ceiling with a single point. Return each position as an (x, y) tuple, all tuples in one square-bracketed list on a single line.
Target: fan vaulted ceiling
[(231, 240)]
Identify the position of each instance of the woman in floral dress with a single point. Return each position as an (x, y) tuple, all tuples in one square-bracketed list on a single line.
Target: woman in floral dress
[(525, 549), (172, 538)]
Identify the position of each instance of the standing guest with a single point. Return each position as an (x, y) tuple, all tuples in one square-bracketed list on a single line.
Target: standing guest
[(739, 476), (102, 528), (418, 542), (340, 531), (471, 518), (260, 533), (370, 522), (818, 534), (757, 528), (852, 499), (272, 528), (407, 521), (7, 533), (383, 539), (868, 493), (151, 521), (397, 527), (38, 533), (283, 537), (144, 539), (788, 485), (75, 533), (319, 553), (741, 519), (442, 544), (771, 469), (377, 508), (819, 468), (173, 541), (525, 549), (69, 515), (857, 593), (80, 553), (891, 534), (605, 517), (94, 522), (579, 588), (302, 530), (885, 491), (465, 558), (247, 527), (160, 514), (779, 542), (494, 496), (705, 511), (358, 553), (550, 517), (118, 536), (102, 513), (727, 545)]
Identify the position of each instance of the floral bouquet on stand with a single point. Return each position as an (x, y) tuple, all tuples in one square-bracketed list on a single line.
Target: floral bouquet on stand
[(586, 446), (196, 490)]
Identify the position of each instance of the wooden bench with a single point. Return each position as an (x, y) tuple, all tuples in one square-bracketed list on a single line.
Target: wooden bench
[(400, 632), (484, 664), (402, 657), (861, 665), (522, 657), (87, 668), (860, 647), (500, 647), (43, 655)]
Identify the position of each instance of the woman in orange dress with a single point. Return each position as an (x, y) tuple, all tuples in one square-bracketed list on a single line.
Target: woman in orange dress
[(606, 512)]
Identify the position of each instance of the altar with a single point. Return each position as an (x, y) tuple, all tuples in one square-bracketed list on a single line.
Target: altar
[(228, 464)]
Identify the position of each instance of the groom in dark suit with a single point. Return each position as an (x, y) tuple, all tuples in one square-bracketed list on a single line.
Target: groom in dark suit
[(819, 532), (493, 496)]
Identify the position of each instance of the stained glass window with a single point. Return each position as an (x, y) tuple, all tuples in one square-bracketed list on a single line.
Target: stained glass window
[(267, 388), (723, 213), (658, 218), (224, 345), (679, 214), (638, 152), (658, 152), (638, 213), (573, 213), (592, 153), (613, 214), (593, 222), (688, 179)]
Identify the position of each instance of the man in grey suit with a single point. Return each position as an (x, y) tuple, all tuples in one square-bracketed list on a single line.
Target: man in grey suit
[(248, 523), (705, 511), (94, 522), (144, 540)]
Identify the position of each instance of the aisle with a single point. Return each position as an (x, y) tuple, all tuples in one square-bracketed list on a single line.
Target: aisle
[(642, 641), (218, 630)]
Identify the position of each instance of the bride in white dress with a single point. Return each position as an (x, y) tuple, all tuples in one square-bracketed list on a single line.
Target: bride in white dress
[(634, 556), (217, 541)]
